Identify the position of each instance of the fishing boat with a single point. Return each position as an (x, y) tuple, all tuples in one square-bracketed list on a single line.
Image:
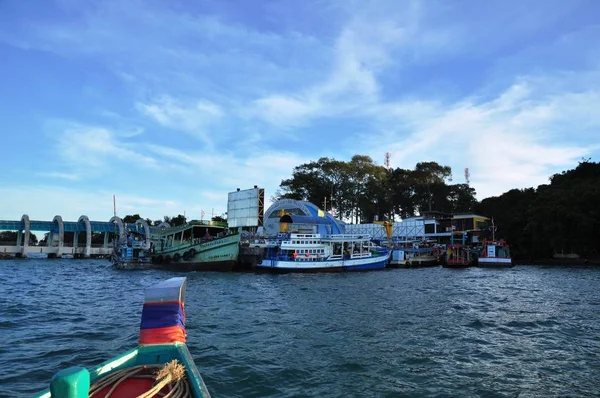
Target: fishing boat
[(161, 363), (495, 254), (195, 246), (457, 255), (131, 253), (416, 255), (324, 253)]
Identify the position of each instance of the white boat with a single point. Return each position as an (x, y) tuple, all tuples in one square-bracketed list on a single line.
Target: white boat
[(495, 254), (325, 253)]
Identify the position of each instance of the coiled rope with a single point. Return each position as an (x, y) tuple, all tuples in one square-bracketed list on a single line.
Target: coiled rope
[(171, 374)]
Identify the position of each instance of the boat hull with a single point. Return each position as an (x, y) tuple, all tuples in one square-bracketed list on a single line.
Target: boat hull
[(414, 263), (485, 262), (353, 265), (220, 255)]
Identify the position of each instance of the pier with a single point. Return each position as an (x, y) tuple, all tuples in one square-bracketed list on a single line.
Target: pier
[(55, 246)]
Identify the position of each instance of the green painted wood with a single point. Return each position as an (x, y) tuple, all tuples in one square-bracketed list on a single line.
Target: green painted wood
[(72, 382)]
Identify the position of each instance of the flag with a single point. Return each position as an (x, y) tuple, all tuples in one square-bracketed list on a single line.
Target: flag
[(201, 214)]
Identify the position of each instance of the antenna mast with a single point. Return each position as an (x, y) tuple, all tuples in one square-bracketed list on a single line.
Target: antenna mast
[(387, 160), (467, 175)]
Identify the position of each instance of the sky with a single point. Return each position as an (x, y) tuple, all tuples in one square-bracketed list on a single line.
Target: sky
[(171, 105)]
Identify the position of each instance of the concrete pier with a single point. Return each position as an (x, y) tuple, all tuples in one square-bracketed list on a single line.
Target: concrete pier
[(55, 246)]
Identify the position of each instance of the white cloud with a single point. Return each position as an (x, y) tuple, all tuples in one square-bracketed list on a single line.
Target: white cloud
[(361, 51), (64, 176), (515, 140), (194, 117), (91, 148)]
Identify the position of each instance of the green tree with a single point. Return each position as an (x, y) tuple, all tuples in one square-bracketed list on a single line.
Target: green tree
[(131, 219), (11, 236), (176, 221), (426, 175), (401, 188)]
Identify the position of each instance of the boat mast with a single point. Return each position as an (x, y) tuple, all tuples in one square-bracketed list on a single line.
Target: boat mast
[(115, 217)]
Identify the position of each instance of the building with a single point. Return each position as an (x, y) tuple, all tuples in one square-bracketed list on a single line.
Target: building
[(300, 216)]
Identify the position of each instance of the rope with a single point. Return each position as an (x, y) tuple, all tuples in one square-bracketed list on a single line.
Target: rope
[(171, 374)]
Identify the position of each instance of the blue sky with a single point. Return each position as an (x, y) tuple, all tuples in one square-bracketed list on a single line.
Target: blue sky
[(170, 105)]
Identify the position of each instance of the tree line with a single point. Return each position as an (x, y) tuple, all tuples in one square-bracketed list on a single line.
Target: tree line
[(560, 217), (361, 190)]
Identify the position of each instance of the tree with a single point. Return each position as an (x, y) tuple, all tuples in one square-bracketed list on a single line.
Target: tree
[(131, 219), (176, 221), (361, 189), (426, 175), (402, 192), (11, 236)]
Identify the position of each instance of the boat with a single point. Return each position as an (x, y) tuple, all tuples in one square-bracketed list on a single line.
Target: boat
[(494, 254), (195, 246), (131, 253), (324, 253), (457, 255), (415, 255), (161, 363)]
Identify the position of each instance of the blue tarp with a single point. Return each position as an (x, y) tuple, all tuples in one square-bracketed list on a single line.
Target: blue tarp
[(161, 316)]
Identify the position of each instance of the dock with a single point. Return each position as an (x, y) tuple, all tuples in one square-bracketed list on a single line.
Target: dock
[(55, 246)]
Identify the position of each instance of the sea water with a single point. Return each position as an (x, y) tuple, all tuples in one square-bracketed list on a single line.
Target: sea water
[(525, 331)]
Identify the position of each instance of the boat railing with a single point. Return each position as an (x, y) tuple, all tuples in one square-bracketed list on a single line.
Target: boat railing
[(346, 237), (361, 255), (301, 244), (300, 257)]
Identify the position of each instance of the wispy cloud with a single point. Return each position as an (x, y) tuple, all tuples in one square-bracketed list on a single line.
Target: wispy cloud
[(194, 117), (91, 149), (515, 140), (360, 51), (63, 176)]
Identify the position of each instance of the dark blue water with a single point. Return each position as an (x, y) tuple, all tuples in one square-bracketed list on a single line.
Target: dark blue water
[(526, 331)]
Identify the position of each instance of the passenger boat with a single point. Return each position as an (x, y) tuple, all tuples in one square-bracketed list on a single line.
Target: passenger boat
[(131, 253), (324, 253), (415, 256), (457, 256), (495, 254), (161, 364), (195, 246)]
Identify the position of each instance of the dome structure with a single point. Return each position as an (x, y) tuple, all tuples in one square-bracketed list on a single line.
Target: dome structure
[(301, 215)]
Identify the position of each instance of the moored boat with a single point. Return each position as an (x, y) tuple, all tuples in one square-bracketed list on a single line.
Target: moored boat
[(196, 247), (131, 253), (495, 254), (414, 256), (457, 256), (162, 347), (324, 253)]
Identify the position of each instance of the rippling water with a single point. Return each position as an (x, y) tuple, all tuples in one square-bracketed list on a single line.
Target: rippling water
[(526, 331)]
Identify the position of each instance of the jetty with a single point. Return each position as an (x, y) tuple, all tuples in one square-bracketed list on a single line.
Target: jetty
[(55, 245)]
